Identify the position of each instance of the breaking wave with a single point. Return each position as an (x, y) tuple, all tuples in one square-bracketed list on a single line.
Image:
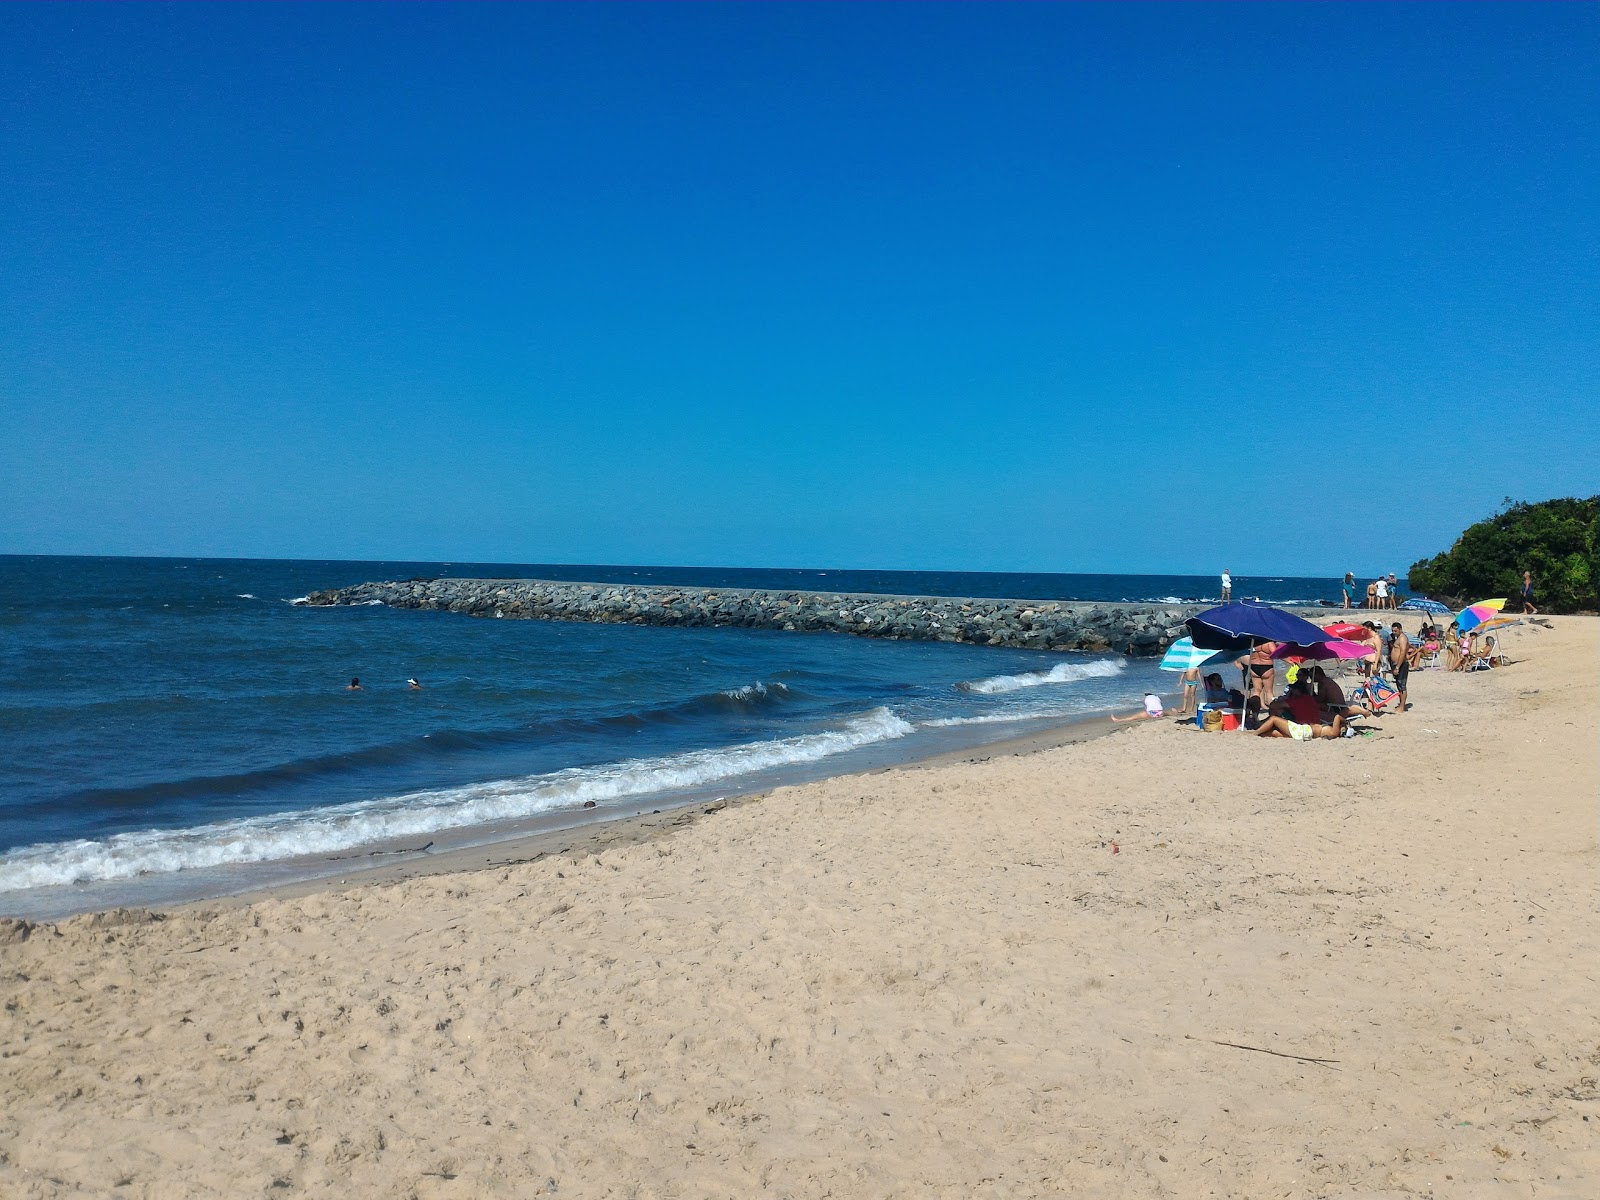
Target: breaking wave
[(341, 827), (1103, 668)]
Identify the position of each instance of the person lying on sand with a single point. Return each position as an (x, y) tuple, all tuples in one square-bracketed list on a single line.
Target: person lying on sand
[(1152, 709)]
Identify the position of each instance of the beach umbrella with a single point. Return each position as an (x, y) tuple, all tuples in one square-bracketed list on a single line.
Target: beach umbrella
[(1242, 626), (1476, 614), (1239, 627), (1423, 604), (1337, 648), (1343, 629), (1184, 654), (1494, 623)]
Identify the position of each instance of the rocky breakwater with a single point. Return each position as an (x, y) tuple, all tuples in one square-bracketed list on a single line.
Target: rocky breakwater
[(1133, 629)]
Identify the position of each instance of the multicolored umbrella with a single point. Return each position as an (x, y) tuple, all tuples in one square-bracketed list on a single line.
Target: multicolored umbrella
[(1183, 654), (1498, 623), (1476, 614), (1338, 648)]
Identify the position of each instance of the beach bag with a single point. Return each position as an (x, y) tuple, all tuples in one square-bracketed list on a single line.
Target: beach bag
[(1213, 720)]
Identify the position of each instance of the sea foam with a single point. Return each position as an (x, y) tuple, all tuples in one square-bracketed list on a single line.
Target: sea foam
[(996, 685), (341, 827)]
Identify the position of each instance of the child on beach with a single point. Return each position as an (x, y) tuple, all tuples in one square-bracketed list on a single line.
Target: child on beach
[(1152, 709), (1191, 692)]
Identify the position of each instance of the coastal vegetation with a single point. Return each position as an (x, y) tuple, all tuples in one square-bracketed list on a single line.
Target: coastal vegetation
[(1555, 539)]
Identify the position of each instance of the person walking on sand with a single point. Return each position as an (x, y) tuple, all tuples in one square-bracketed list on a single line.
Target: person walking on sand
[(1399, 661), (1349, 587), (1227, 585), (1528, 610)]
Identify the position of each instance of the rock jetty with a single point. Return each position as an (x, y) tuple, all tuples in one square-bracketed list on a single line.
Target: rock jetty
[(1133, 629)]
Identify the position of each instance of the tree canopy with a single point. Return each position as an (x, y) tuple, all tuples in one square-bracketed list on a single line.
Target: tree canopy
[(1555, 539)]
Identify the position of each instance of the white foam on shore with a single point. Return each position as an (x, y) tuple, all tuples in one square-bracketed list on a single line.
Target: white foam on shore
[(326, 830), (1069, 672), (1009, 718)]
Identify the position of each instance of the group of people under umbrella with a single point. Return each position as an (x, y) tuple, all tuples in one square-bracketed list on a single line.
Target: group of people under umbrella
[(1259, 636)]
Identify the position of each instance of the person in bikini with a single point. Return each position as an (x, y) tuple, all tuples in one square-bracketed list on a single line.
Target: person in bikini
[(1263, 672)]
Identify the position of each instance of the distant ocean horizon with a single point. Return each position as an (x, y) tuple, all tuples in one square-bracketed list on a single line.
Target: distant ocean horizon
[(176, 728)]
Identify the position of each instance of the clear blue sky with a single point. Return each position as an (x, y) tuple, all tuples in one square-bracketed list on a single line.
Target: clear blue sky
[(1286, 288)]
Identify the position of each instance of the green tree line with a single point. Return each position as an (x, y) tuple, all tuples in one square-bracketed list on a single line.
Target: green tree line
[(1555, 539)]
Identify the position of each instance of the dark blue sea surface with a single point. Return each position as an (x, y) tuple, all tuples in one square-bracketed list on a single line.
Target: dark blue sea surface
[(181, 719)]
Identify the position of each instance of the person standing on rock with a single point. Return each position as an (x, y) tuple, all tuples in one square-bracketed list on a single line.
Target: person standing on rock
[(1349, 587), (1227, 585)]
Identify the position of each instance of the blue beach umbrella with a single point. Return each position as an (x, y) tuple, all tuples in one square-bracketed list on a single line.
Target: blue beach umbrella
[(1423, 604), (1237, 627), (1184, 654)]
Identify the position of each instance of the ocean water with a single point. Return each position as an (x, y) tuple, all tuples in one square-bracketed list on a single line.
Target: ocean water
[(176, 728)]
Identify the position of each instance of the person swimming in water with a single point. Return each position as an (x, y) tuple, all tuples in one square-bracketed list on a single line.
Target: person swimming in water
[(414, 685), (355, 685)]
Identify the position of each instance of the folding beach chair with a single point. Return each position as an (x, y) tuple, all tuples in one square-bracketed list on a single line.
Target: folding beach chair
[(1376, 694), (1490, 656)]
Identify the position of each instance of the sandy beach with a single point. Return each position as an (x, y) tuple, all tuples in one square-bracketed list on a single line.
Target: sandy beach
[(1158, 963)]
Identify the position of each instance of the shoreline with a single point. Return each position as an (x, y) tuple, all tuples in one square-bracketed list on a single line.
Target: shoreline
[(603, 833), (468, 847), (558, 832), (1162, 963)]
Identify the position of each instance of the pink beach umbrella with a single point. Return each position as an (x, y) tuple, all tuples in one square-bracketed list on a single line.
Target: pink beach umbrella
[(1337, 648)]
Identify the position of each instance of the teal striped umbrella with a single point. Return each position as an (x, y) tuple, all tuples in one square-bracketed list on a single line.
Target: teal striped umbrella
[(1183, 654)]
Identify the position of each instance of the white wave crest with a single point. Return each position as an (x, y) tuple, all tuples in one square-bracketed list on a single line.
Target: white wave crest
[(751, 690), (306, 599), (325, 830), (246, 596), (1068, 672)]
